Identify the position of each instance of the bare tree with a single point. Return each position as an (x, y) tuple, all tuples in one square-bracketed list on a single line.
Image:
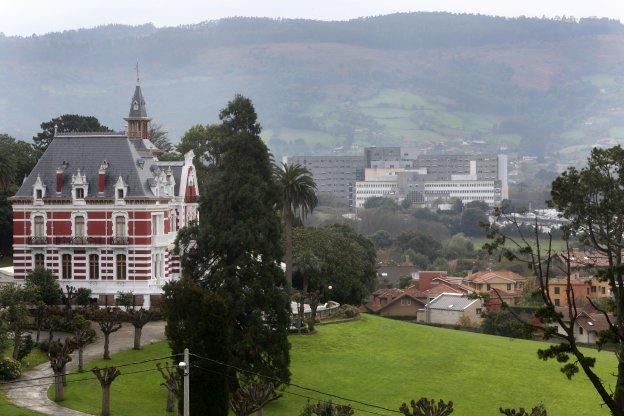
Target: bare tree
[(59, 355), (139, 318), (110, 321), (252, 398), (172, 382), (106, 376), (427, 407), (82, 335)]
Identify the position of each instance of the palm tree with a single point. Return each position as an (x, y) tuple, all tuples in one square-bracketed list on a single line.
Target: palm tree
[(299, 199)]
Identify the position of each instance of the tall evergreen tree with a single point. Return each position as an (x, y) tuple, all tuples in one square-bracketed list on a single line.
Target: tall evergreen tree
[(236, 249), (299, 199), (198, 321)]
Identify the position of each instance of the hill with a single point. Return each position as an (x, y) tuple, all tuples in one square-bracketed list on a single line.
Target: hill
[(432, 79), (386, 362)]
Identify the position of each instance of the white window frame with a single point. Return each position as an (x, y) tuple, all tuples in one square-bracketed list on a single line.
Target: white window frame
[(73, 223), (35, 214), (127, 222), (160, 224)]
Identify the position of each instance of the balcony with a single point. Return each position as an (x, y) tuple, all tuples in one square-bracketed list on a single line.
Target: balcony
[(78, 241), (36, 241)]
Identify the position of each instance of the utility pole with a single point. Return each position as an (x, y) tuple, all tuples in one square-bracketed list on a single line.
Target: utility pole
[(185, 366)]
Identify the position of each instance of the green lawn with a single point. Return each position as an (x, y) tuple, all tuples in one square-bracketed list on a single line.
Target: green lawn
[(387, 362)]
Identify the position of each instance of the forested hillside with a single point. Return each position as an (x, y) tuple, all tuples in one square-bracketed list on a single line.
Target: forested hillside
[(528, 85)]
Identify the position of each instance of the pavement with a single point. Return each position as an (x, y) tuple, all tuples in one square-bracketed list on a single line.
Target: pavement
[(33, 395)]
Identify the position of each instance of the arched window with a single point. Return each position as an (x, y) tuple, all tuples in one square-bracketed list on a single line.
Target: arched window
[(39, 227), (79, 226), (121, 266), (94, 266), (39, 261), (120, 226), (66, 266)]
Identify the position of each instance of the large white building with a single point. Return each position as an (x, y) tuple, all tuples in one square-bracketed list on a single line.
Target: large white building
[(437, 177)]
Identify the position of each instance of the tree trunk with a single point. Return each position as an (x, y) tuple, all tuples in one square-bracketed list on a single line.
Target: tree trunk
[(64, 375), (288, 255), (301, 311), (260, 412), (80, 359), (106, 351), (137, 337), (58, 388), (106, 400), (618, 395), (170, 401), (312, 321), (17, 340)]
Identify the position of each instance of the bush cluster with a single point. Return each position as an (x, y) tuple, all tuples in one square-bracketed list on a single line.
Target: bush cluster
[(9, 369)]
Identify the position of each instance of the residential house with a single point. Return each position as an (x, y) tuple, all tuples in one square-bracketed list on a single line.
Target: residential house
[(396, 303), (582, 289), (587, 326), (449, 308)]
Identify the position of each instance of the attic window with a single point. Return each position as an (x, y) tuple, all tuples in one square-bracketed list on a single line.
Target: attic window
[(79, 193), (450, 306), (39, 194), (120, 193), (590, 323)]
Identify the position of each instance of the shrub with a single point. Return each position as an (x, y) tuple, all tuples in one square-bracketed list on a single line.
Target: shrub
[(346, 311), (25, 347), (9, 369)]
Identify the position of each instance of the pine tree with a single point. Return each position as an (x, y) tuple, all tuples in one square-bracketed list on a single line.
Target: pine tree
[(236, 249)]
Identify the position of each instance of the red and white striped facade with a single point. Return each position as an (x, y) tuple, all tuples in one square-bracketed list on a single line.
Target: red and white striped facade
[(110, 228)]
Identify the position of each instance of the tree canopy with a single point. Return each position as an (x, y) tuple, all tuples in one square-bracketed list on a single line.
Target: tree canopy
[(65, 124)]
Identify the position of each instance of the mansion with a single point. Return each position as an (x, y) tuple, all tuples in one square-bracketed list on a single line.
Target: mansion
[(102, 212)]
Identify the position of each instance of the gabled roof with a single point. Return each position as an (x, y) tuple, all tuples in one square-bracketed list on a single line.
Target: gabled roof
[(414, 295), (87, 152), (594, 322), (484, 276), (451, 301)]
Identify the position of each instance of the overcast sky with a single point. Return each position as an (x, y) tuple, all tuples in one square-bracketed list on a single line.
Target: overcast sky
[(25, 17)]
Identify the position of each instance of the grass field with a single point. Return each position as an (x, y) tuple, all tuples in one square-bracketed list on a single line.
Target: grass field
[(387, 362), (557, 245)]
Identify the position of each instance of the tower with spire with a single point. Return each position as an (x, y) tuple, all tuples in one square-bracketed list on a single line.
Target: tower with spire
[(138, 121)]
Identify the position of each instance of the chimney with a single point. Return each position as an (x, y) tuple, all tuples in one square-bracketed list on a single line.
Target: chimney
[(102, 177), (59, 179)]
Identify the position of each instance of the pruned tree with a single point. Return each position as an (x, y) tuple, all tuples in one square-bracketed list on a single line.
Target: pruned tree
[(67, 297), (313, 300), (125, 300), (110, 321), (536, 411), (106, 376), (59, 354), (139, 318), (327, 409), (252, 398), (172, 383), (427, 407), (82, 335), (83, 297)]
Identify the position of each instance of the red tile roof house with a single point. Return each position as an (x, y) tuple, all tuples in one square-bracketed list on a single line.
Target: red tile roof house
[(396, 303), (587, 326), (499, 284)]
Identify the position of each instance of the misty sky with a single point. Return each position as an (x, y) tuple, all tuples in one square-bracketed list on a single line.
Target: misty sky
[(25, 17)]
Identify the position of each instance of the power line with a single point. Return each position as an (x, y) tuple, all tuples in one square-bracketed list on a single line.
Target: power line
[(297, 385), (290, 392), (77, 372)]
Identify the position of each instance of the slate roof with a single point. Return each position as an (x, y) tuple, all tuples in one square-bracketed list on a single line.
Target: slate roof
[(139, 110), (87, 151), (451, 301)]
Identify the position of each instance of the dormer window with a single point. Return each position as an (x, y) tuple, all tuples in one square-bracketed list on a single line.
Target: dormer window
[(121, 191), (39, 190), (79, 186)]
